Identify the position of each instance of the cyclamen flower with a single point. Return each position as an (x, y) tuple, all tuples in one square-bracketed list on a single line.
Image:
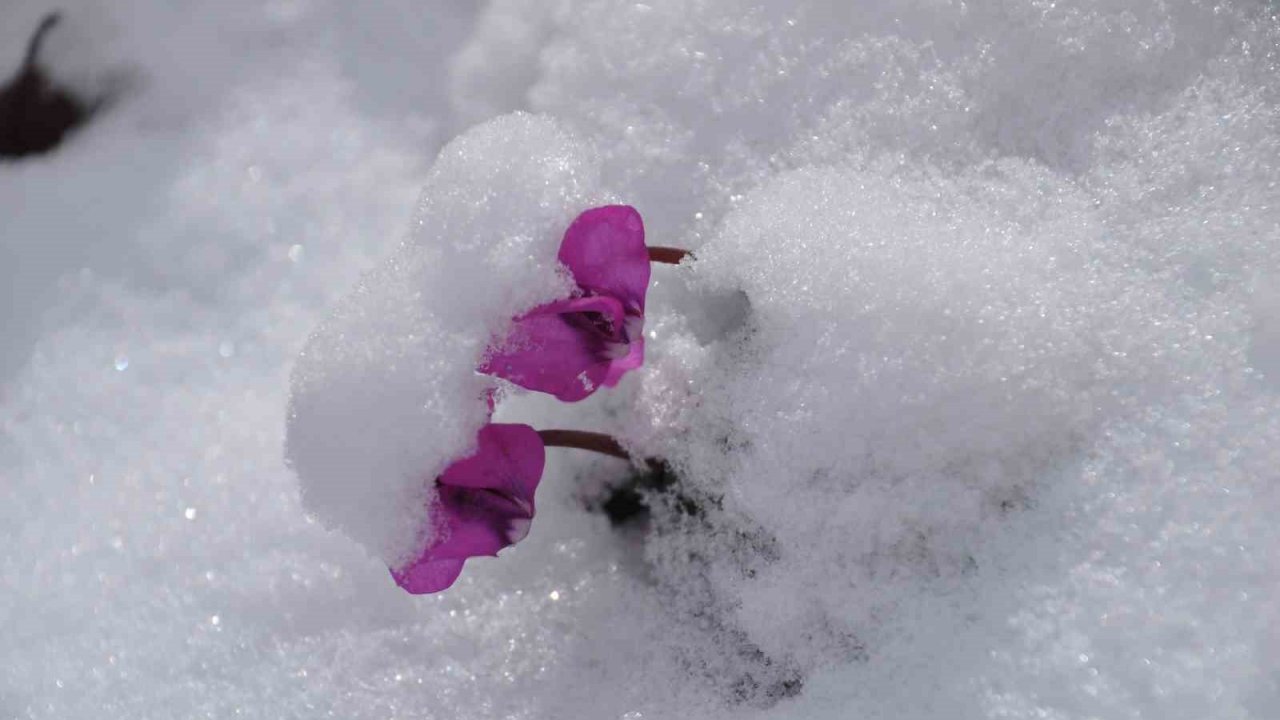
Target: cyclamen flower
[(484, 503), (569, 348)]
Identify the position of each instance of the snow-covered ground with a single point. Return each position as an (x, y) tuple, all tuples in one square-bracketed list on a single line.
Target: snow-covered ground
[(975, 376)]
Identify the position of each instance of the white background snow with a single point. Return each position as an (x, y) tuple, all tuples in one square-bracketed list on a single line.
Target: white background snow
[(976, 373)]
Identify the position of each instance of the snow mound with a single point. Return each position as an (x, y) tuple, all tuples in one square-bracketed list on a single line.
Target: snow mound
[(385, 394)]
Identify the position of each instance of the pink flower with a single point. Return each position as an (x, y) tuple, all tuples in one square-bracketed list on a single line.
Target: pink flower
[(484, 503), (569, 348)]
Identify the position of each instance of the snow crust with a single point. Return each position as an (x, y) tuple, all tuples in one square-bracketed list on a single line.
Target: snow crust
[(974, 380)]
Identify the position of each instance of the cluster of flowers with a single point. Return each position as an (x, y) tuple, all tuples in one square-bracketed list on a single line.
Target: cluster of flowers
[(569, 349)]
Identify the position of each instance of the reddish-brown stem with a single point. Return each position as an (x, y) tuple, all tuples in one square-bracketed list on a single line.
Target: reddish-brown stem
[(668, 255), (583, 440)]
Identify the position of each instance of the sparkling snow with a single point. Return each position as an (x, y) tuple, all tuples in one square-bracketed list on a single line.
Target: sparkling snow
[(974, 378)]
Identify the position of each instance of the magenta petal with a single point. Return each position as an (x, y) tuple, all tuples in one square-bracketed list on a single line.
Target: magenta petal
[(571, 348), (620, 366), (484, 502), (604, 249), (428, 576), (549, 350), (471, 529), (605, 305), (508, 457)]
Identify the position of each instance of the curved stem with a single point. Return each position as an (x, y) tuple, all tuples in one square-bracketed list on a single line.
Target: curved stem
[(668, 255), (583, 440), (33, 47)]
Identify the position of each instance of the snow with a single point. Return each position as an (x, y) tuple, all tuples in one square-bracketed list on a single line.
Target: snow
[(974, 377)]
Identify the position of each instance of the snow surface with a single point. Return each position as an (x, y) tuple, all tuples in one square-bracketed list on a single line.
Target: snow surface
[(975, 376)]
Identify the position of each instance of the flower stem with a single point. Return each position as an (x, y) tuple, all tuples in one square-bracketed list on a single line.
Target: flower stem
[(668, 255), (583, 440)]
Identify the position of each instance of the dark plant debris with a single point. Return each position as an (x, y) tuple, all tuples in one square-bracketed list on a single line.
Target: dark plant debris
[(628, 502), (36, 114), (655, 499)]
